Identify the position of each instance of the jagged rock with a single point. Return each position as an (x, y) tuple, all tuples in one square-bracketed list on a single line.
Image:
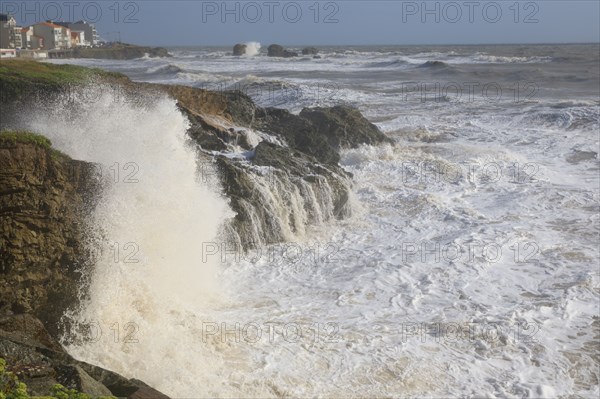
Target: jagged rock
[(74, 377), (298, 132), (344, 127), (239, 49), (275, 50), (310, 51)]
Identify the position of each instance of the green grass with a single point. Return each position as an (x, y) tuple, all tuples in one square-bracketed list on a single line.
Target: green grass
[(22, 77), (25, 137), (49, 73)]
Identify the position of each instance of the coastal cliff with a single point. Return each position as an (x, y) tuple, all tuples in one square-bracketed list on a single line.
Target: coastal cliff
[(279, 171)]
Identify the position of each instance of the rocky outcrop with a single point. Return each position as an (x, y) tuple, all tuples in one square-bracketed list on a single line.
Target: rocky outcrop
[(239, 49), (275, 50), (310, 51), (298, 132), (343, 127), (300, 158)]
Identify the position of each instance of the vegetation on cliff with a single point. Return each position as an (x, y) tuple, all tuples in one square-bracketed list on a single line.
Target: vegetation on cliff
[(19, 78), (24, 137)]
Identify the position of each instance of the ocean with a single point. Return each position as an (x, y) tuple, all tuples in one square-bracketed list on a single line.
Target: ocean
[(470, 267)]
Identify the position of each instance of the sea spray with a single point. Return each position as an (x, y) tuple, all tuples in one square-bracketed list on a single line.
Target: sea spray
[(252, 48), (151, 222)]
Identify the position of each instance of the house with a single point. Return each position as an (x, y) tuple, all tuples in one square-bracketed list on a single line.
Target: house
[(77, 38), (90, 35), (54, 36), (7, 31), (26, 37), (18, 42), (29, 40)]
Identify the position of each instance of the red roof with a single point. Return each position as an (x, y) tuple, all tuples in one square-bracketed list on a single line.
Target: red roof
[(51, 25)]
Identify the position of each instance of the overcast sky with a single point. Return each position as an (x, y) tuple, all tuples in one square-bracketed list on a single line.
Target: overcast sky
[(300, 22)]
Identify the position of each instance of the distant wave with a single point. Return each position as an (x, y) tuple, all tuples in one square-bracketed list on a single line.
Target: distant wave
[(434, 64), (494, 59), (164, 69), (387, 64)]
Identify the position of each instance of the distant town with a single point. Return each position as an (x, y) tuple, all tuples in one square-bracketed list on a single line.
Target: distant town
[(44, 39)]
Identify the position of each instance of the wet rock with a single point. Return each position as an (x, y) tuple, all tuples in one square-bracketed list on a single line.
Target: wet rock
[(239, 49), (344, 127), (74, 377), (275, 50), (289, 191), (310, 51), (298, 132)]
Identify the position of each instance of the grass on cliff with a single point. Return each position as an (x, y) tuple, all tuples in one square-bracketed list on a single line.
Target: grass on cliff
[(20, 77), (24, 137), (26, 70)]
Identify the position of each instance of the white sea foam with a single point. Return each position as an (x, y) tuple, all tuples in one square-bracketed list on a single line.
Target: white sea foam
[(252, 49)]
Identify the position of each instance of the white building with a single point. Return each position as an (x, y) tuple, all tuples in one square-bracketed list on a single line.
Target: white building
[(7, 32), (54, 36), (90, 36)]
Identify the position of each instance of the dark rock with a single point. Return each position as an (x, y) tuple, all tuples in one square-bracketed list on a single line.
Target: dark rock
[(310, 51), (344, 127), (298, 132), (275, 50), (74, 377), (239, 49)]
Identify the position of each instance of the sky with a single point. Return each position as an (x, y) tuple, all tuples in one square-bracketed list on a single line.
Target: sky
[(312, 22)]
